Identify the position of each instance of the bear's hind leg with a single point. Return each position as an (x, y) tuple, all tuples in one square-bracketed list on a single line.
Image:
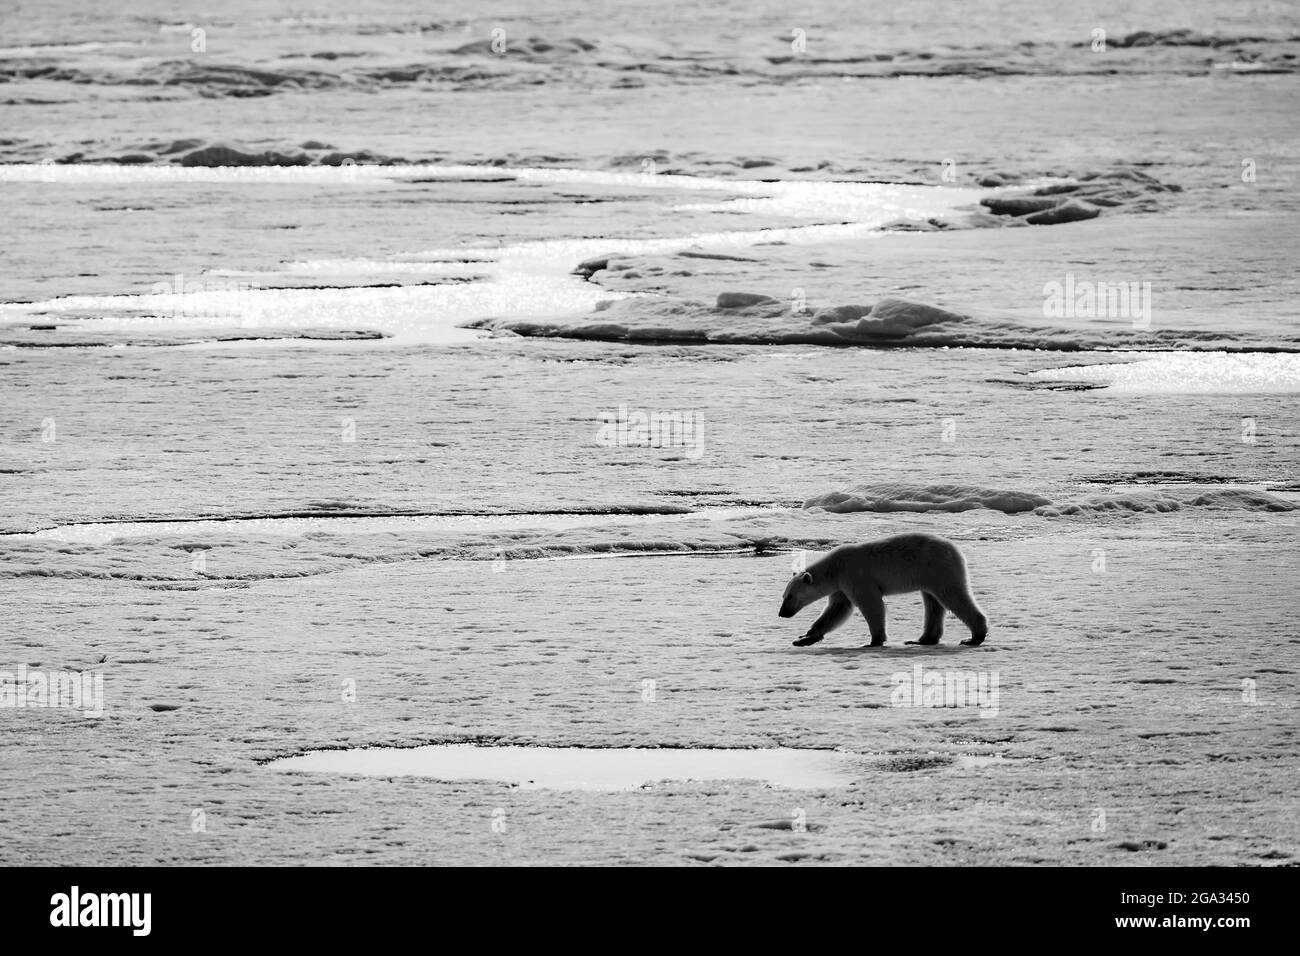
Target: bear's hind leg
[(933, 620), (961, 603), (872, 606)]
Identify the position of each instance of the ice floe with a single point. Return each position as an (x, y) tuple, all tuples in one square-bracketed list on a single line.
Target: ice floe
[(1190, 373)]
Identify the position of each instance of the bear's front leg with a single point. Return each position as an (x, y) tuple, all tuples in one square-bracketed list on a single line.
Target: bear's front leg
[(837, 612)]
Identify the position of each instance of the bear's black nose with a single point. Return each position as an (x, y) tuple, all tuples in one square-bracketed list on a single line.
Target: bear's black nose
[(785, 612)]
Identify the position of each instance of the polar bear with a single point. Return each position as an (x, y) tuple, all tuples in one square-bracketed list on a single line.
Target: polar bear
[(863, 575)]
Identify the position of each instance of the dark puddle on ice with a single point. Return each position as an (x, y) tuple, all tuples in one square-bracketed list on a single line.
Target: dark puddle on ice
[(583, 768), (914, 762)]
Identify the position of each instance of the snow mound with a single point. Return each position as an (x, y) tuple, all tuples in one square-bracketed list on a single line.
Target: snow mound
[(1160, 502), (901, 497), (889, 318), (920, 498)]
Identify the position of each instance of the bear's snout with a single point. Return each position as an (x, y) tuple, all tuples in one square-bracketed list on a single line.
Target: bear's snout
[(786, 610)]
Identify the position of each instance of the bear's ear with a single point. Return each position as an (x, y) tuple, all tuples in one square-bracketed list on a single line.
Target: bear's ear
[(806, 577)]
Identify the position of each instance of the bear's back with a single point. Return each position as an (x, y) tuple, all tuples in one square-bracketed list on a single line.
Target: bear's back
[(903, 562)]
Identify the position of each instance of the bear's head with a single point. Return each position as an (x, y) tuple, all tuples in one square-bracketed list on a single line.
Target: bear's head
[(799, 593)]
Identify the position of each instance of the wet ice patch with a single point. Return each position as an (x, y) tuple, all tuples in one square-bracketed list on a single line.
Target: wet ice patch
[(427, 314), (819, 200), (582, 768), (104, 532), (1189, 373), (526, 280), (976, 761)]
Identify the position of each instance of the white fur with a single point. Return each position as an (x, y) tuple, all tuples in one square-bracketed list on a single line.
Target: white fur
[(862, 575)]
